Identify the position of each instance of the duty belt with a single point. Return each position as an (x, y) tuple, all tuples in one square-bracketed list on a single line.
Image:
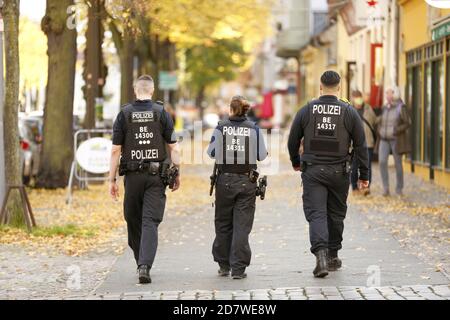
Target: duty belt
[(346, 165), (230, 174), (252, 175), (140, 166)]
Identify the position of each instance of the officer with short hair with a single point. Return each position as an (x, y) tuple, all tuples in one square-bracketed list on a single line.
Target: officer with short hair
[(142, 139), (236, 145), (327, 126)]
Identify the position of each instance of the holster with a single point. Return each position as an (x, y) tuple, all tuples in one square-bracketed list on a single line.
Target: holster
[(303, 166), (346, 167), (122, 168)]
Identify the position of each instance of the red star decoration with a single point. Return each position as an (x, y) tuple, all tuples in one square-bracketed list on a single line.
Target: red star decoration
[(372, 3)]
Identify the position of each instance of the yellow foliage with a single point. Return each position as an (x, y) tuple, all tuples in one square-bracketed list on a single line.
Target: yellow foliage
[(193, 22), (32, 54)]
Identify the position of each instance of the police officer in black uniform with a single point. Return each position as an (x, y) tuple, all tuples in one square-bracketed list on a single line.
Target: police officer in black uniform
[(327, 126), (142, 139), (236, 145)]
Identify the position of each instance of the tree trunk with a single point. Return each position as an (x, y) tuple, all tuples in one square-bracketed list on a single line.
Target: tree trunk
[(57, 152), (126, 56), (93, 61), (13, 173), (124, 43), (199, 101)]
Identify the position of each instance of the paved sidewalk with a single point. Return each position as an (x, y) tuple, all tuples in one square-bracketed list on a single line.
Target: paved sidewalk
[(184, 268), (415, 292)]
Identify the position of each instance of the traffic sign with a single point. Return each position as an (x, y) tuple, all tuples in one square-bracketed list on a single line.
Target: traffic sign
[(168, 80)]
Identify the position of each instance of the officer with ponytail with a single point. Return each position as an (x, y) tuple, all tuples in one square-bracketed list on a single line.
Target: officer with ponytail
[(236, 145)]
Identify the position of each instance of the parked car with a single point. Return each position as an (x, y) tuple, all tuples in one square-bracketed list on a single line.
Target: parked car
[(30, 131)]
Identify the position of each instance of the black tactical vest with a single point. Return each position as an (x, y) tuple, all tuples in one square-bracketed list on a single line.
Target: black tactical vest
[(326, 134), (238, 146), (143, 138)]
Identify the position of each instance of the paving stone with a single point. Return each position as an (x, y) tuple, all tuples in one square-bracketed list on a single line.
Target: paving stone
[(368, 290), (421, 288), (431, 296), (415, 298), (443, 291), (280, 297), (316, 297), (277, 292), (134, 293), (374, 297), (298, 298), (112, 297), (394, 297), (169, 297), (150, 297), (132, 298), (350, 294), (313, 290), (335, 298), (329, 291)]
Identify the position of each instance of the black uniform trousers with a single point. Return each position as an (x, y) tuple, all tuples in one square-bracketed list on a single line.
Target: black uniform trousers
[(144, 204), (234, 214), (325, 191)]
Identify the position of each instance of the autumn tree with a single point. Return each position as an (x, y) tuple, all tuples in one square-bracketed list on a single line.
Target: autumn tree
[(10, 12), (152, 31), (122, 24), (57, 152), (94, 72), (216, 36), (33, 59), (207, 65)]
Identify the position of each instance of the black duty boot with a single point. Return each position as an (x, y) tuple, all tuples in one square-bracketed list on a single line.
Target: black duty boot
[(224, 271), (144, 274), (334, 263), (321, 269), (238, 274)]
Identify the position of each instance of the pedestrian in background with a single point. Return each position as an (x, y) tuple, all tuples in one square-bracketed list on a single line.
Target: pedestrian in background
[(393, 125), (369, 119)]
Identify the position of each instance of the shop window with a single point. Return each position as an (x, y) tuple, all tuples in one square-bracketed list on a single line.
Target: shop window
[(427, 114), (437, 113), (414, 96), (447, 138)]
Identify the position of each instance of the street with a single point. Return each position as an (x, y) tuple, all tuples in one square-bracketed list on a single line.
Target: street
[(393, 248), (280, 245)]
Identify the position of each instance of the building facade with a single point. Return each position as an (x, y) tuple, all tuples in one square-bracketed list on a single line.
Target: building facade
[(379, 44), (424, 75)]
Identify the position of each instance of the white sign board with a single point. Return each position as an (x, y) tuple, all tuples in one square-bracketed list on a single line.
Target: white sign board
[(443, 4), (93, 155)]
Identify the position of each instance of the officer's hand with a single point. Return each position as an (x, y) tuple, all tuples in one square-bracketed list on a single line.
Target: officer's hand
[(363, 184), (114, 190), (176, 185)]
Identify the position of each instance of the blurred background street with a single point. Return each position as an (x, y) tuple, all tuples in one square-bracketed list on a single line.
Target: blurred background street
[(69, 65)]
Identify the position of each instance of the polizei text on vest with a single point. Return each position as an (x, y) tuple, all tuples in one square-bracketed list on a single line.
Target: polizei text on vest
[(236, 131), (327, 109), (147, 154)]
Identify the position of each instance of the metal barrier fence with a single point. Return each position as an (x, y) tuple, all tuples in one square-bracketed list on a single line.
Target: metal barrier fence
[(76, 171)]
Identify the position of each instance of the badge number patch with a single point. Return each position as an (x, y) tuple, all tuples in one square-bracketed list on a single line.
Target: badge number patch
[(325, 126)]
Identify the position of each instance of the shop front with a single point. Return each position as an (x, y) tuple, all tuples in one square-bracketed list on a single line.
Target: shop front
[(427, 87)]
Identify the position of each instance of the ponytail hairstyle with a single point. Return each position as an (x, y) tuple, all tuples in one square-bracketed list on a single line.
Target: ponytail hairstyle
[(239, 106)]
